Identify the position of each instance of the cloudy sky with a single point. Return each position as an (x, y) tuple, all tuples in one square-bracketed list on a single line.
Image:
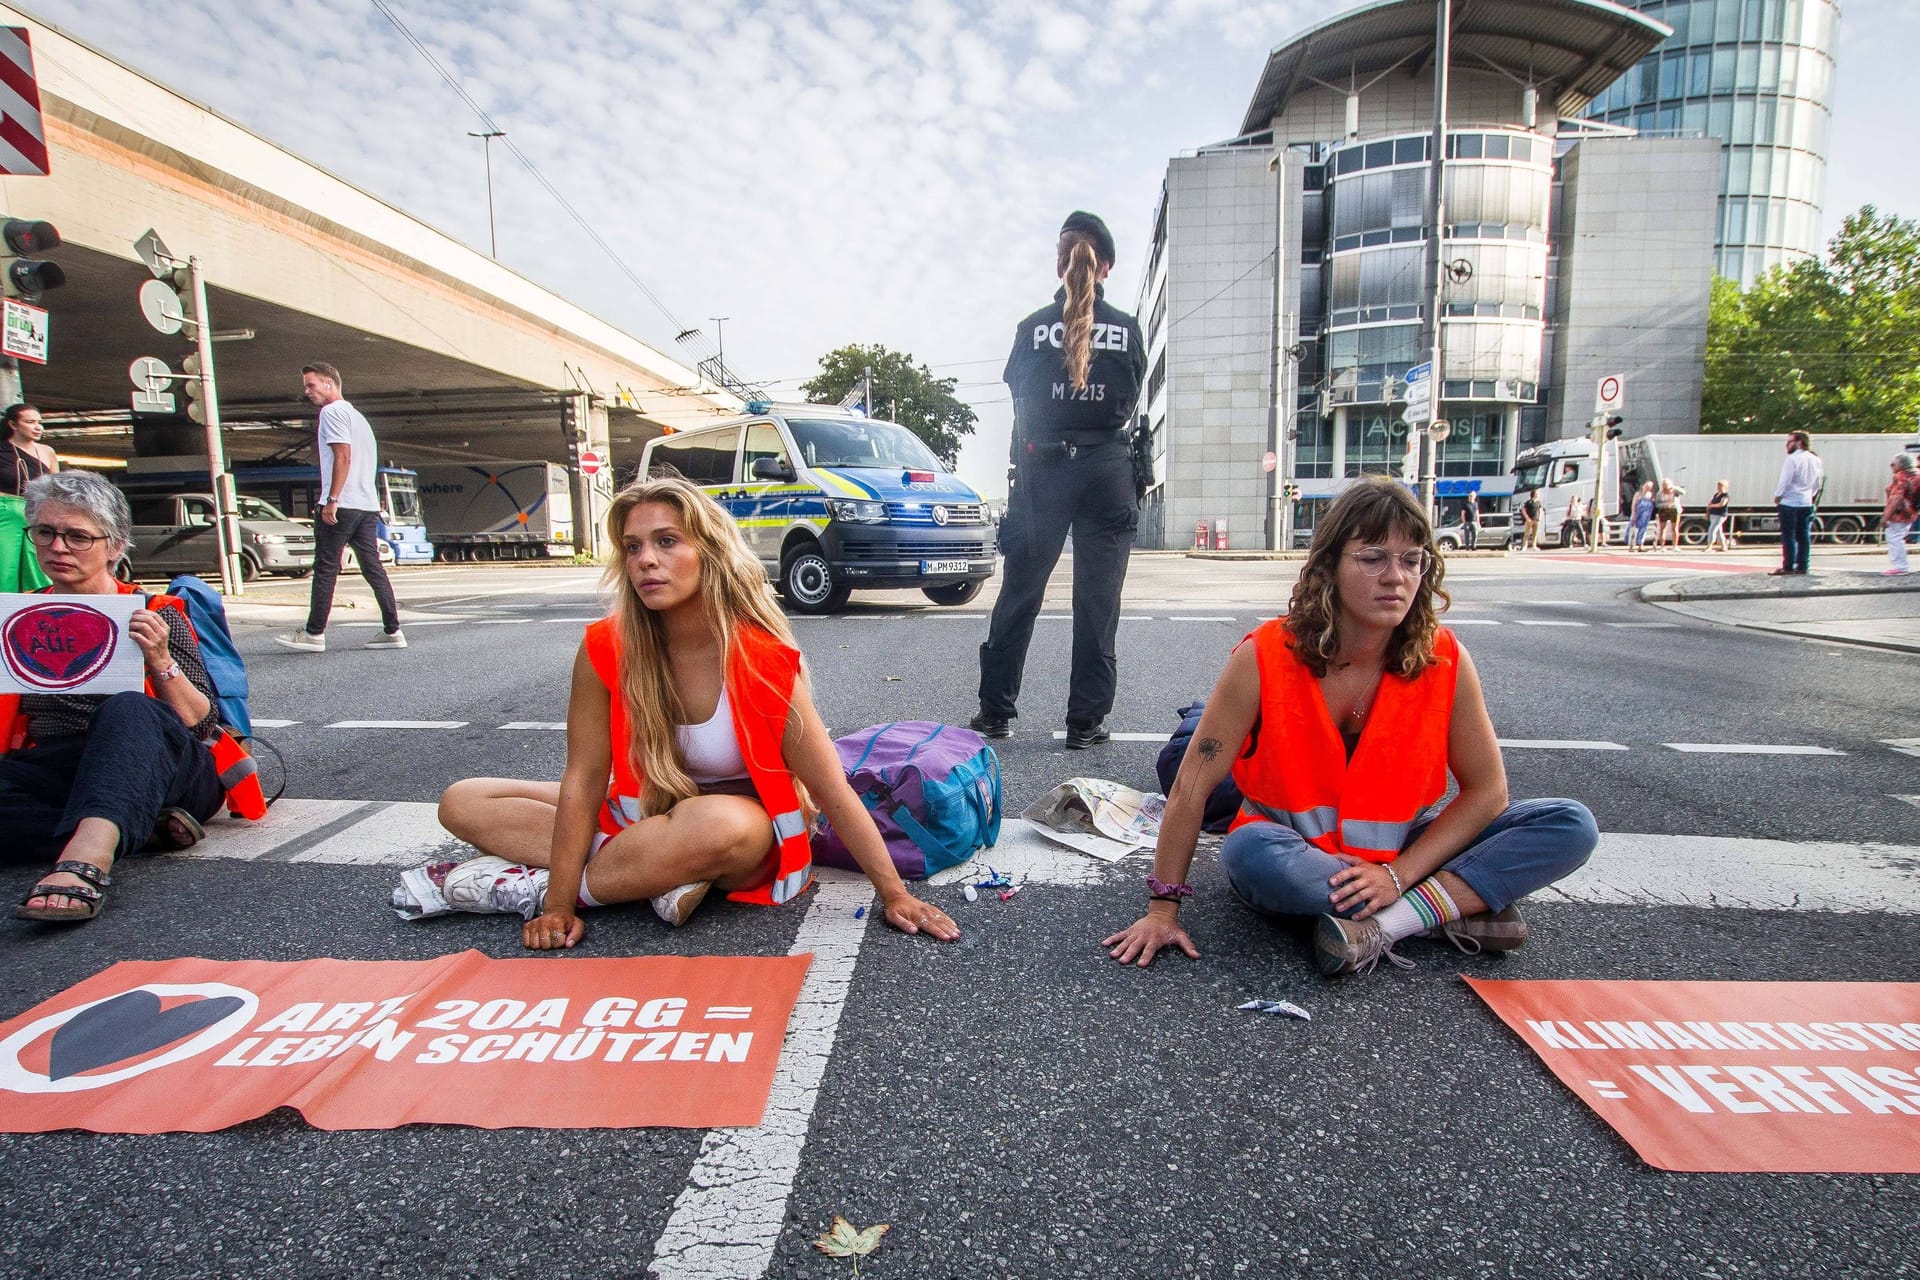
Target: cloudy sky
[(820, 172)]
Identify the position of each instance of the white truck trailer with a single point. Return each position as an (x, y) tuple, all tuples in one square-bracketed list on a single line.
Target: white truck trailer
[(1848, 510), (497, 511)]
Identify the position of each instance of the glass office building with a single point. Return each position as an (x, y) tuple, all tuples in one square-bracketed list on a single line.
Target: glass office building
[(1758, 75)]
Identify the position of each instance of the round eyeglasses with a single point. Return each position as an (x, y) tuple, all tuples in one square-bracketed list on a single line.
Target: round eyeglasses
[(1373, 561), (45, 535)]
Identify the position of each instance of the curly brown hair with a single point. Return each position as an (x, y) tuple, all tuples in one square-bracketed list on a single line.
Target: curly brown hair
[(1371, 510)]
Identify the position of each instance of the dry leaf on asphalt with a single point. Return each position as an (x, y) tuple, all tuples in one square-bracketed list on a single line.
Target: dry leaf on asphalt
[(849, 1241)]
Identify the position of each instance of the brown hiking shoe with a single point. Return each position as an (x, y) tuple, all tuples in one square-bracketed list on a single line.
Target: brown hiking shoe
[(1502, 930), (1352, 946)]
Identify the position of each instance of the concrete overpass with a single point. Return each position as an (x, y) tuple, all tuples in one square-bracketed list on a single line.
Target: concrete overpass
[(451, 355)]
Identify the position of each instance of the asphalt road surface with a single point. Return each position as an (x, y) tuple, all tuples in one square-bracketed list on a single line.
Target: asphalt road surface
[(1016, 1104)]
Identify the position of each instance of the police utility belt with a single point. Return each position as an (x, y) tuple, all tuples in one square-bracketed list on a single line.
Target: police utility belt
[(1070, 446)]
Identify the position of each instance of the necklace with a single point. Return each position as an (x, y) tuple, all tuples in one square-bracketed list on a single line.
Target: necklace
[(1360, 704)]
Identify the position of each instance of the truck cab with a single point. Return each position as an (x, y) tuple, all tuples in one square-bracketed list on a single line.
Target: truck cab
[(1561, 470), (830, 501)]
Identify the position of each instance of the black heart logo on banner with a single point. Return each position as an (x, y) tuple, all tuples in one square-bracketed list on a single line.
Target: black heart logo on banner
[(128, 1026)]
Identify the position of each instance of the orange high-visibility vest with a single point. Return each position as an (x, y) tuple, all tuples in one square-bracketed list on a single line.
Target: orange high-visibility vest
[(1298, 773), (239, 775), (760, 676)]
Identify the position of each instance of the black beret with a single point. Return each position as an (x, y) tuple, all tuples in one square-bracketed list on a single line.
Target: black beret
[(1089, 225)]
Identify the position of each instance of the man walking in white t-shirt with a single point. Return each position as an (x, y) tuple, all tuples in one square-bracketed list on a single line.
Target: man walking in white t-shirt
[(348, 516), (1793, 497)]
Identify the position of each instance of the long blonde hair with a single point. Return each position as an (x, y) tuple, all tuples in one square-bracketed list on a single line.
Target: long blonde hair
[(1079, 265), (1372, 509), (733, 590)]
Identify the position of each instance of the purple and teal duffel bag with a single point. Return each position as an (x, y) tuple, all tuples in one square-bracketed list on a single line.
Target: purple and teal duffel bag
[(933, 790)]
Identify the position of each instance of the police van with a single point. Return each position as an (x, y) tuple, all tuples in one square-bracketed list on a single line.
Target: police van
[(830, 500)]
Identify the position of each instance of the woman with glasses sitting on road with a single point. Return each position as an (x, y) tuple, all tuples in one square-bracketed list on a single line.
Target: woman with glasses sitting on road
[(692, 699), (91, 778), (1341, 722)]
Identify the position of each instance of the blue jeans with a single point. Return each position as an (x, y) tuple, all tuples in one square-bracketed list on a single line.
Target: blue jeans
[(1534, 843), (1794, 536)]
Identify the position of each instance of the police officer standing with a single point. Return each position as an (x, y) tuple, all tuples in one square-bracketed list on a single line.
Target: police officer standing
[(1075, 374)]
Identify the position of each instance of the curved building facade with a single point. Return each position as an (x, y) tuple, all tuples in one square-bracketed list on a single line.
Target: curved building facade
[(1757, 75)]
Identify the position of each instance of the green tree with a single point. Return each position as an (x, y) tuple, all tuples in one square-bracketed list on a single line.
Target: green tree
[(1829, 344), (903, 392)]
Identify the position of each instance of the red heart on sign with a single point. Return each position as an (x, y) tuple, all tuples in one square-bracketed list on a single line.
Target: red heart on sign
[(57, 647)]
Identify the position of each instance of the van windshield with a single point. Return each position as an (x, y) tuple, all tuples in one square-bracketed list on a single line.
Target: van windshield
[(258, 509), (826, 442)]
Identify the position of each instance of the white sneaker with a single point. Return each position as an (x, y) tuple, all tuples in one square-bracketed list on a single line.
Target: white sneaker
[(388, 640), (302, 641), (675, 906), (493, 886)]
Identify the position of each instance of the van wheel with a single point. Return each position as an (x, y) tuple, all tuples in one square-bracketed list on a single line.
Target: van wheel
[(249, 569), (806, 580), (954, 593)]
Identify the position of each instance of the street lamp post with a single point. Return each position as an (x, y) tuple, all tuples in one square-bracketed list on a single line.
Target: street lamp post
[(486, 143), (1436, 246)]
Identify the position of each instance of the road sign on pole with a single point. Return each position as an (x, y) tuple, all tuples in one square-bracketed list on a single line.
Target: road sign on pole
[(1420, 394), (1611, 393), (153, 252), (589, 463)]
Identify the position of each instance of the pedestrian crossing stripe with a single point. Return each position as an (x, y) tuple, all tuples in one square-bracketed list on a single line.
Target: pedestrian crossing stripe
[(1628, 868)]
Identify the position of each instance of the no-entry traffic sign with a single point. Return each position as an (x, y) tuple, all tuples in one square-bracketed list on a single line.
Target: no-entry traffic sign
[(590, 462)]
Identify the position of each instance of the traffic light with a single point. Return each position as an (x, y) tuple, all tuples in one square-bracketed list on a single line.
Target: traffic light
[(181, 278), (571, 428), (27, 278), (1612, 423), (194, 387)]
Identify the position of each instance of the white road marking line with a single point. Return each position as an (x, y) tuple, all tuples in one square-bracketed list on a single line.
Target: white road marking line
[(1470, 622), (1055, 617), (1136, 617), (595, 618), (1200, 618), (1760, 875), (730, 1215), (943, 614), (1905, 746), (258, 723), (1547, 622), (534, 724), (1750, 749), (1647, 869), (1570, 604), (501, 622), (398, 724), (1563, 744), (1643, 626), (1059, 735)]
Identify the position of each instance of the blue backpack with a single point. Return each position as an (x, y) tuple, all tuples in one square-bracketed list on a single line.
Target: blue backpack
[(209, 617), (933, 790)]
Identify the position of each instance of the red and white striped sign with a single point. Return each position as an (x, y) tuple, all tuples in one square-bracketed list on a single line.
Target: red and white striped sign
[(23, 141)]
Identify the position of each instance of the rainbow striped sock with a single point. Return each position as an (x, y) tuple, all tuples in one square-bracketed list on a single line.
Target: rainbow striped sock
[(1425, 906)]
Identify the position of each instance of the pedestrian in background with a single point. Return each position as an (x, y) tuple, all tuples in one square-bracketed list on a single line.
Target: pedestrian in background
[(1470, 522), (1800, 478), (1530, 517), (1903, 499), (348, 516), (23, 460), (1719, 535), (1642, 517), (1075, 374), (1666, 513), (1574, 528)]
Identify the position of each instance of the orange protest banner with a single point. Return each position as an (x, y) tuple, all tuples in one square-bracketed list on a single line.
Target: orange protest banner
[(197, 1045), (1736, 1077)]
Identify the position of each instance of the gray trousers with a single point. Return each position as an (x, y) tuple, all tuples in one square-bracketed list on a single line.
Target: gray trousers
[(1089, 495)]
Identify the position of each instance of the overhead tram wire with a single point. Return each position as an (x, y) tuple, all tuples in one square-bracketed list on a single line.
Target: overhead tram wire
[(566, 205)]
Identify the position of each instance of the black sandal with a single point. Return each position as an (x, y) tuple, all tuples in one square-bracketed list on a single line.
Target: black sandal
[(89, 895), (163, 836)]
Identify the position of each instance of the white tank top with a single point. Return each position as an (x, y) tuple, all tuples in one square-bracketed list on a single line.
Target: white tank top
[(712, 750)]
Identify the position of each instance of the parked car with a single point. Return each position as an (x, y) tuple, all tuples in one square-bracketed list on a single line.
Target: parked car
[(174, 533), (830, 500), (1498, 530)]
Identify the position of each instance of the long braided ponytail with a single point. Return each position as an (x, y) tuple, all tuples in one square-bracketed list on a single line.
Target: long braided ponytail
[(1080, 266)]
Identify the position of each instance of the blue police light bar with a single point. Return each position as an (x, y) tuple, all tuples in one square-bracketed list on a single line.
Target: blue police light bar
[(759, 406)]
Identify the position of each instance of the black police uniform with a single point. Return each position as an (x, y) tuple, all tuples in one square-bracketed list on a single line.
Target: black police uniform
[(1073, 472)]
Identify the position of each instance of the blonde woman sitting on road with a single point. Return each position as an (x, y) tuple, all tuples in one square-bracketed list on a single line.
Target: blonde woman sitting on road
[(693, 747)]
